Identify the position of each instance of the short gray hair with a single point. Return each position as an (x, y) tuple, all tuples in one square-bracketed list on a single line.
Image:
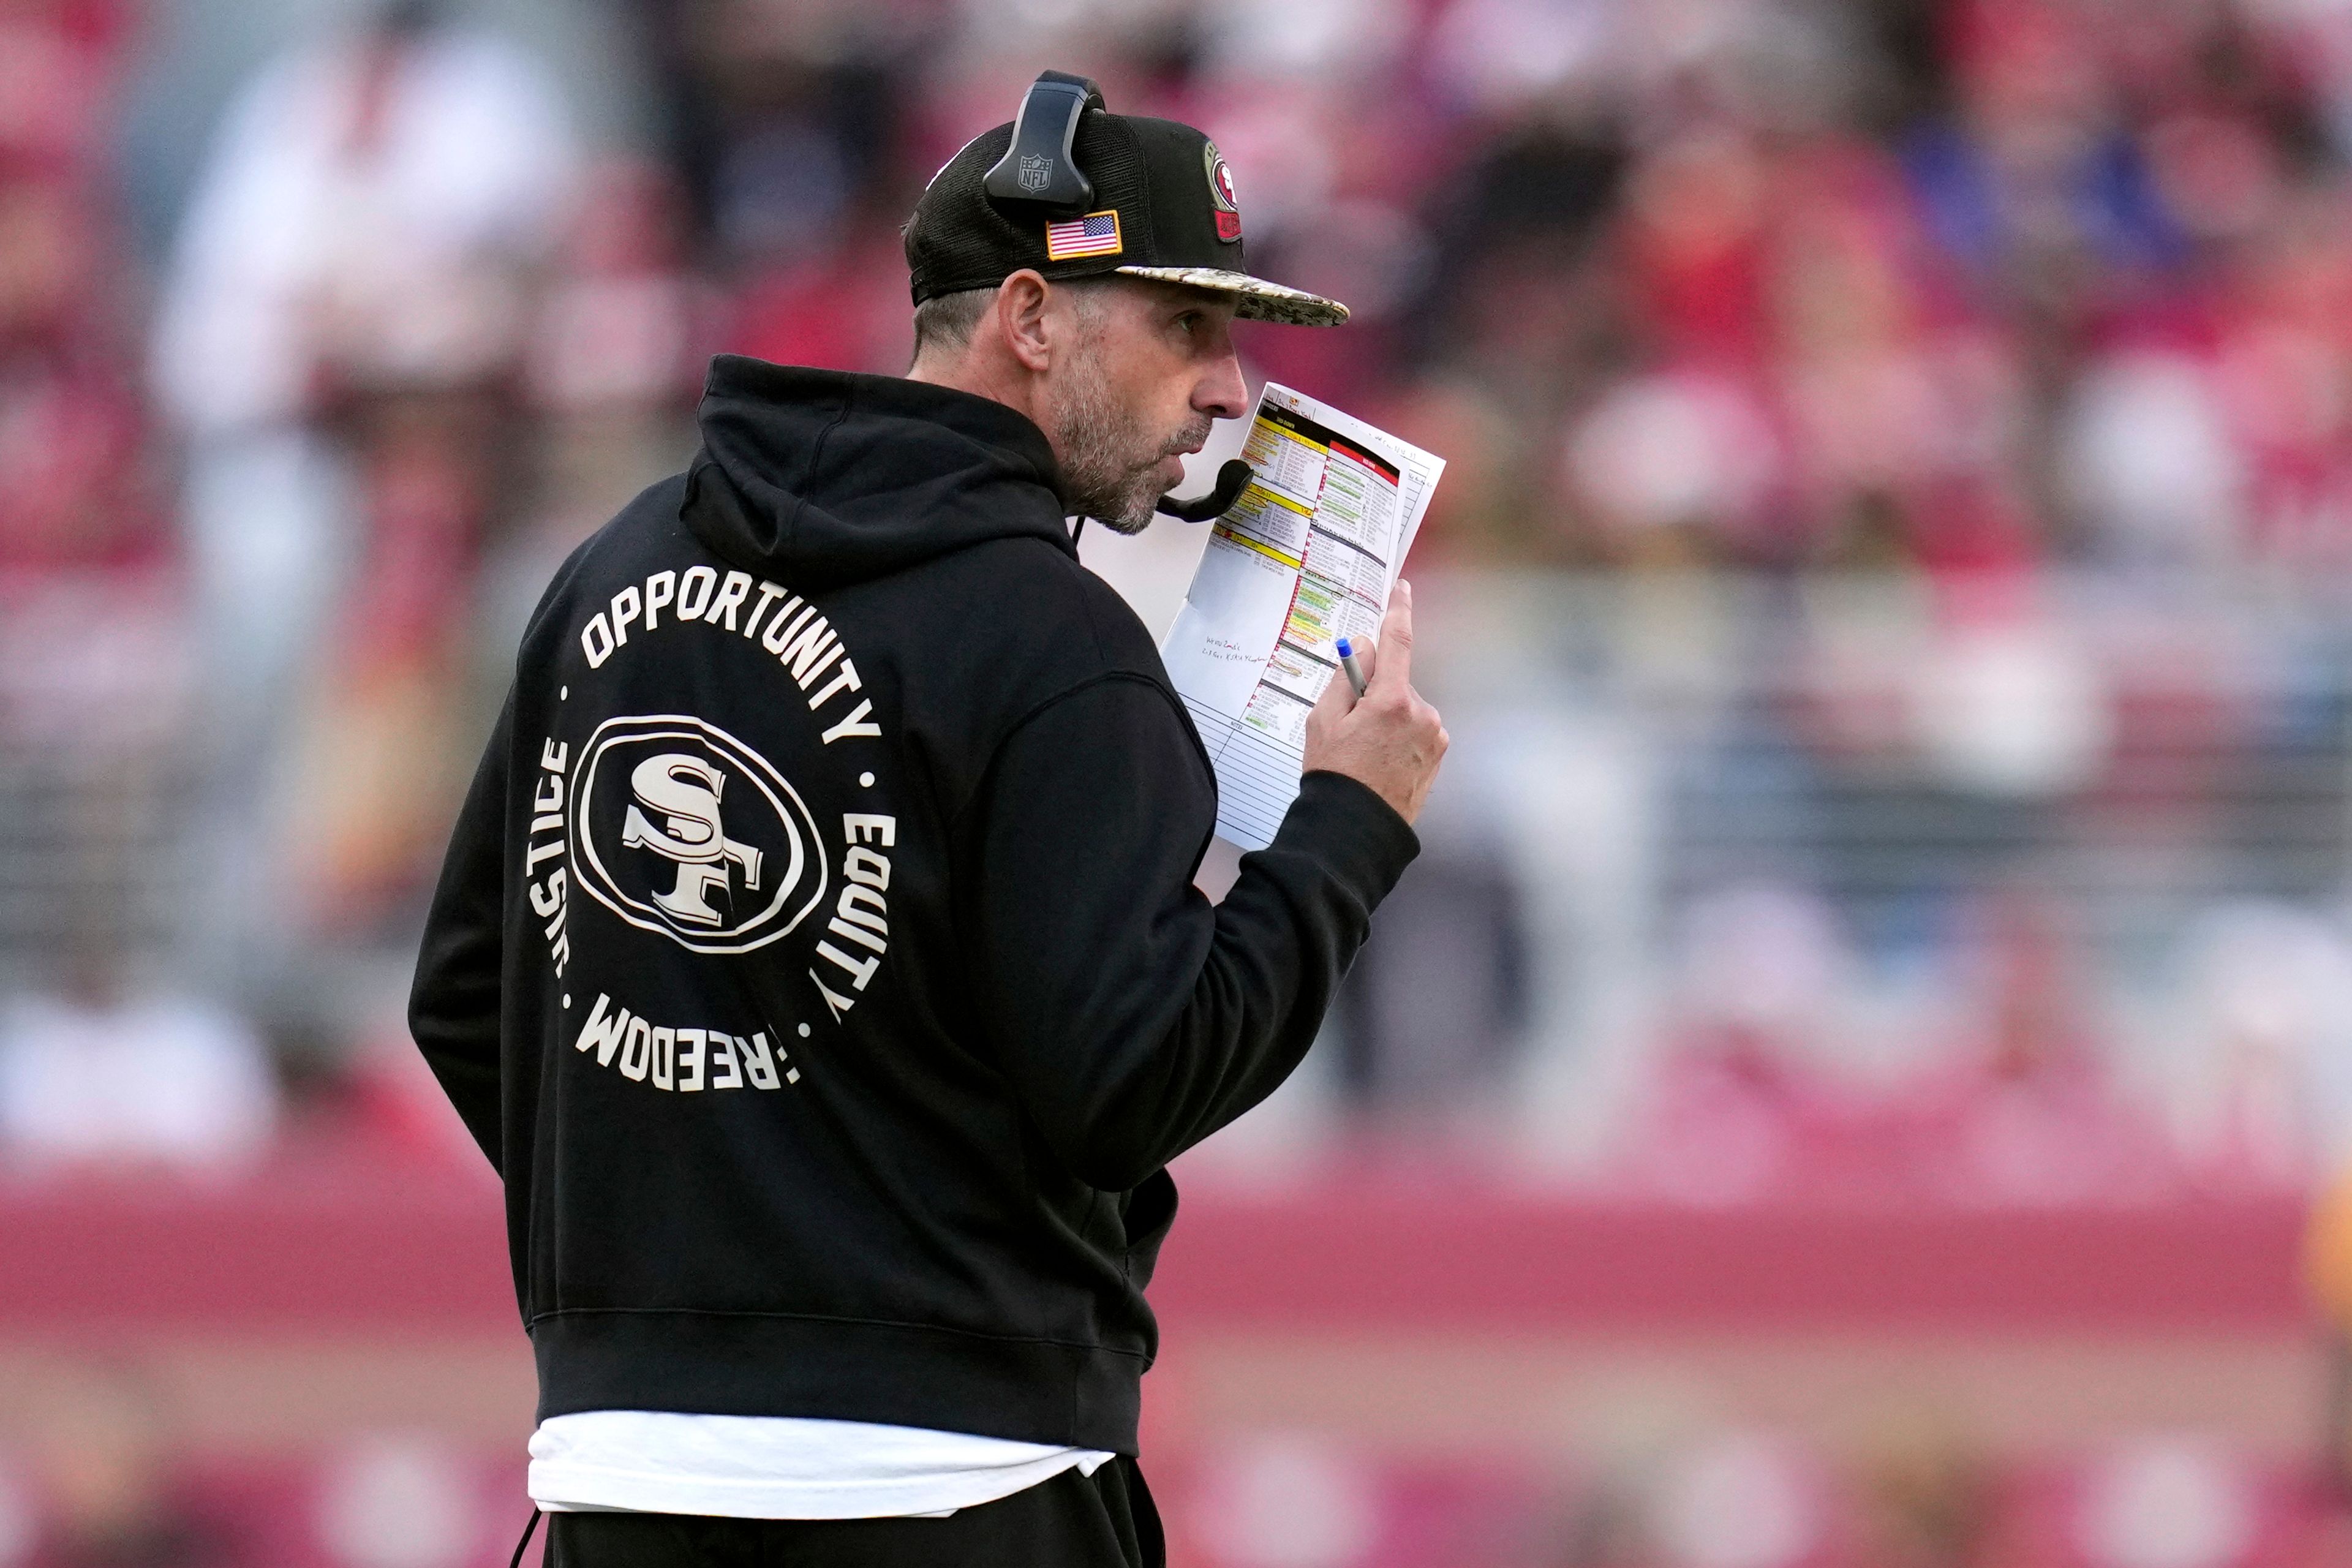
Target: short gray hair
[(945, 321)]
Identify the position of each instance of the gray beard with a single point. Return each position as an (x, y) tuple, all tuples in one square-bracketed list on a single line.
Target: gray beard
[(1102, 476)]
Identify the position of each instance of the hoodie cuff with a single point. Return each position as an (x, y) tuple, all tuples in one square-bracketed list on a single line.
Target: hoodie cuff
[(1348, 830)]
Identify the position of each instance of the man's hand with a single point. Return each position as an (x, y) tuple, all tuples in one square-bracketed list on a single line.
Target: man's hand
[(1389, 740)]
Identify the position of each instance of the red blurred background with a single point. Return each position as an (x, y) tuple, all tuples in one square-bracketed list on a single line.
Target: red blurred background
[(1855, 1077)]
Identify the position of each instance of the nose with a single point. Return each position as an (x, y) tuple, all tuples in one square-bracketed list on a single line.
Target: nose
[(1221, 394)]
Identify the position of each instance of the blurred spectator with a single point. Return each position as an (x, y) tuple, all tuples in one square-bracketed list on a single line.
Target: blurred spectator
[(1284, 1501), (1700, 1498), (57, 65), (1430, 1013), (2265, 1100), (1923, 1499), (2007, 706), (400, 1503), (102, 1449), (2027, 1106), (70, 463), (99, 1078), (1737, 1499), (367, 215), (2035, 186), (612, 364), (338, 341), (619, 329), (795, 122), (2167, 1503), (2156, 475), (72, 468), (1744, 1102), (787, 117)]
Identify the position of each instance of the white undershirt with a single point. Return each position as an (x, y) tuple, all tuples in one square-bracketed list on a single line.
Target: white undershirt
[(773, 1467)]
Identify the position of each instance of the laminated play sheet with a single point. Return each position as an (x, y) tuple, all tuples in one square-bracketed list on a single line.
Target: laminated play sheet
[(1307, 555)]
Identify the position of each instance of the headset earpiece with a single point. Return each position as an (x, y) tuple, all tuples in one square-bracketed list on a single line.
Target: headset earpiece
[(1039, 166)]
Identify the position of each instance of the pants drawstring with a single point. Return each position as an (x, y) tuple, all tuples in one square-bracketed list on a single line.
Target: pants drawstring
[(527, 1531)]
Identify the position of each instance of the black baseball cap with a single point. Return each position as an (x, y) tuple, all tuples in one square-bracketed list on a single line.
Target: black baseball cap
[(1074, 191)]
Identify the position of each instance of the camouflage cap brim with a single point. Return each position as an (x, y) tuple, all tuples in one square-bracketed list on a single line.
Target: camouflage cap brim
[(1258, 300)]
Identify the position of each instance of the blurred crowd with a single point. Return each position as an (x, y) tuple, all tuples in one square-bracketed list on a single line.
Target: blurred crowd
[(1942, 406), (1674, 1494), (1887, 590), (1667, 1492)]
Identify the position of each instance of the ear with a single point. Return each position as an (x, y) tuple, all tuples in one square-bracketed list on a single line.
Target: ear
[(1021, 320)]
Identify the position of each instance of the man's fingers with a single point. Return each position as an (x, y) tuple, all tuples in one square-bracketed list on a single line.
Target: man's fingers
[(1396, 640), (1338, 696)]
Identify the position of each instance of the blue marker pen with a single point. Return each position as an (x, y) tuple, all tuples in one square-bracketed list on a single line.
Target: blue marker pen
[(1348, 662)]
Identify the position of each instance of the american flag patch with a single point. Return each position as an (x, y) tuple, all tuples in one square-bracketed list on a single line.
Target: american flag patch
[(1097, 234)]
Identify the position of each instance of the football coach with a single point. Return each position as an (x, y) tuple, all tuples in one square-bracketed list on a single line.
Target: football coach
[(817, 957)]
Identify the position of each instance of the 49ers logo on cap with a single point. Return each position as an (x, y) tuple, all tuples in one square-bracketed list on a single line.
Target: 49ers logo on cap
[(1220, 193)]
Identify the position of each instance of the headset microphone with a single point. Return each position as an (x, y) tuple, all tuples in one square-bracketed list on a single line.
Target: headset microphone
[(1232, 480)]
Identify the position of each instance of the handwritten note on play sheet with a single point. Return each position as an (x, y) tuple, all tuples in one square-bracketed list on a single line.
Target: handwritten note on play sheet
[(1305, 557)]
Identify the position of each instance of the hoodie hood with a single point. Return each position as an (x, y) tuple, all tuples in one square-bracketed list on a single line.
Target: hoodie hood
[(821, 478)]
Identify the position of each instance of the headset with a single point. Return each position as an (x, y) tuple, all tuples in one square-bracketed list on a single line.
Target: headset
[(1040, 166), (1041, 169)]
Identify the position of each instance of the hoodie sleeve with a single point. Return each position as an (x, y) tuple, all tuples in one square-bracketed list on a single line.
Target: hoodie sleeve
[(453, 1006), (1133, 1017)]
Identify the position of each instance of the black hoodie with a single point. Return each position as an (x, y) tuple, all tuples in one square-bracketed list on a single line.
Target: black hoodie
[(817, 957)]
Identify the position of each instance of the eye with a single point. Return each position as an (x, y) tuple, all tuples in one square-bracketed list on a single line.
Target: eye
[(1190, 322)]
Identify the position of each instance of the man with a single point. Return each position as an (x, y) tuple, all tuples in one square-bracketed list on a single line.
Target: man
[(817, 957)]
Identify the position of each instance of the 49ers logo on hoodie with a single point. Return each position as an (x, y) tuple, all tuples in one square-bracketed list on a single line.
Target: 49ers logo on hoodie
[(679, 827)]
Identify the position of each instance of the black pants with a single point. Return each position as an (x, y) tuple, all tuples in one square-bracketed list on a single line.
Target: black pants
[(1105, 1521)]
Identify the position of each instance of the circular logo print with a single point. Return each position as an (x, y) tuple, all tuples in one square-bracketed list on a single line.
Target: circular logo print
[(678, 827)]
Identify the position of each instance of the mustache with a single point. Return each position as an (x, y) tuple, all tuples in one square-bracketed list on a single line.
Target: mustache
[(1188, 439)]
